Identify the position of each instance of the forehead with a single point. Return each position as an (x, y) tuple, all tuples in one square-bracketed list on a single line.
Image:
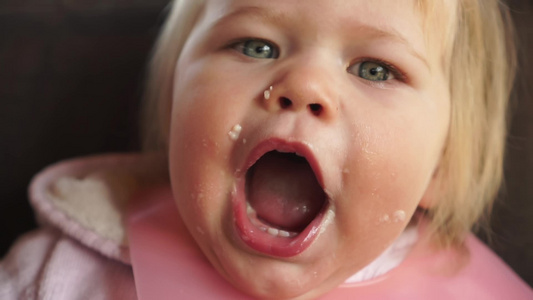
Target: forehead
[(327, 18), (325, 14)]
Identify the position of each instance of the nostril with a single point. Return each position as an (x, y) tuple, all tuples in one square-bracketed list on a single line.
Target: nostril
[(316, 109), (285, 102)]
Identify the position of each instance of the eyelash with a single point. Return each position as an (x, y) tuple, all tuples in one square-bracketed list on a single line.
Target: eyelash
[(398, 74)]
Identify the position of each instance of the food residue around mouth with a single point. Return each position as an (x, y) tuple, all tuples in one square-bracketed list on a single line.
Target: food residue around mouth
[(235, 132)]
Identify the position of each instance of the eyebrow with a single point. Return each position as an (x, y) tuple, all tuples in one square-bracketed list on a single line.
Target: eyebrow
[(255, 12), (279, 17)]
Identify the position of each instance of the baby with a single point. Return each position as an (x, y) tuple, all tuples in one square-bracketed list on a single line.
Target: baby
[(309, 144)]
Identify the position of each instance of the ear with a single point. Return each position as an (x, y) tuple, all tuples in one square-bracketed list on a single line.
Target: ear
[(429, 199)]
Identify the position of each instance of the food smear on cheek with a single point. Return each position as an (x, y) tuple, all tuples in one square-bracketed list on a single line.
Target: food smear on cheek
[(235, 132), (398, 216)]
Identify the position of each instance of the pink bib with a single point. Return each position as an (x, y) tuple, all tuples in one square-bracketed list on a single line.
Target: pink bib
[(167, 264)]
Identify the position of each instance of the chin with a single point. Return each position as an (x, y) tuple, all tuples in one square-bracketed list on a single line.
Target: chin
[(267, 277), (272, 285)]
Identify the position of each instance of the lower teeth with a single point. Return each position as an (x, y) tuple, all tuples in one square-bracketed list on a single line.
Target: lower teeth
[(252, 216)]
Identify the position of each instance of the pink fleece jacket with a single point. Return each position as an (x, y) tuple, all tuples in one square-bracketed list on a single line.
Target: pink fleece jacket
[(81, 250), (67, 258)]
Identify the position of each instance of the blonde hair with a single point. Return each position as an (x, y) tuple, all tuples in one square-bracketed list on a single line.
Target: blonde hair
[(480, 64)]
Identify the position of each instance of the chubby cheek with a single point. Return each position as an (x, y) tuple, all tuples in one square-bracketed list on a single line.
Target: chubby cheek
[(384, 182), (190, 186), (197, 178)]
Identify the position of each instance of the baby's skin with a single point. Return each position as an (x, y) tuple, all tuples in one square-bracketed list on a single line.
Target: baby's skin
[(304, 135)]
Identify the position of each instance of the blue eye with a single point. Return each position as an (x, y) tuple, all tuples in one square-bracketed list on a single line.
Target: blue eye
[(374, 71), (257, 49)]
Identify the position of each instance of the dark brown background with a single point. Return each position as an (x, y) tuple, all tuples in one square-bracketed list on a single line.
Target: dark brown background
[(70, 83)]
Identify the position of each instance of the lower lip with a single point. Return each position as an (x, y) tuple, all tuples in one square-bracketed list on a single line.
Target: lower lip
[(265, 243)]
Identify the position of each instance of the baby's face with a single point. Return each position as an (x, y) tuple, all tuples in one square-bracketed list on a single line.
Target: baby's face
[(291, 191)]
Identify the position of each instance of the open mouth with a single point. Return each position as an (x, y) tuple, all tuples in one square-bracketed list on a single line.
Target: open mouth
[(283, 206), (283, 193)]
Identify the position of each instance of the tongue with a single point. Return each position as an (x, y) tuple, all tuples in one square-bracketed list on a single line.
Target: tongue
[(284, 192)]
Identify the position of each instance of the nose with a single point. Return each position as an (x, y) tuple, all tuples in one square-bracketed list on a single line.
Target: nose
[(305, 85)]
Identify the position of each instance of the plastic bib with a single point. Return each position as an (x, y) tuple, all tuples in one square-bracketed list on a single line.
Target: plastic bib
[(167, 264)]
